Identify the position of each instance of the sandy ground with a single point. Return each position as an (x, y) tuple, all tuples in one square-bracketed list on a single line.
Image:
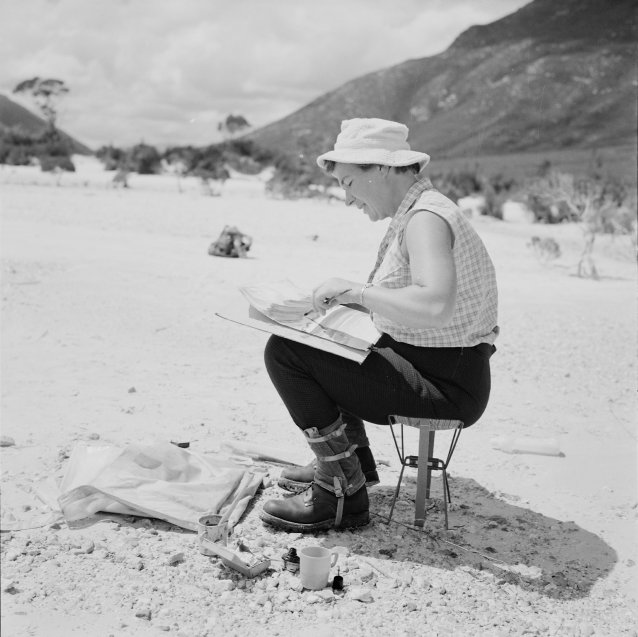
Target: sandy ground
[(105, 290)]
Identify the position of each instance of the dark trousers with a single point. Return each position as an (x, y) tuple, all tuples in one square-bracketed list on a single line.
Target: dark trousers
[(395, 379)]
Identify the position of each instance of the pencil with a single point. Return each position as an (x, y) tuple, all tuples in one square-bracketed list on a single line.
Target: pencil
[(329, 299)]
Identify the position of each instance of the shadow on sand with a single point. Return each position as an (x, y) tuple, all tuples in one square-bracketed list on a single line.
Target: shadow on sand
[(538, 553)]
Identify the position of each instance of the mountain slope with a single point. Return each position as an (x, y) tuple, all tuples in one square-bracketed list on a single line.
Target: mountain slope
[(13, 114), (549, 76)]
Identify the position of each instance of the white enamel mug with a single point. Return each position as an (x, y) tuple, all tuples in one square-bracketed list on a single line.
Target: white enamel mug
[(315, 563)]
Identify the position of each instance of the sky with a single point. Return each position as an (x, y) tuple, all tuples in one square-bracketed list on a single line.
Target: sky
[(167, 72)]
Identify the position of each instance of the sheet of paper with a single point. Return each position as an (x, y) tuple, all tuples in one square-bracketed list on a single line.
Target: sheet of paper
[(288, 305), (260, 322)]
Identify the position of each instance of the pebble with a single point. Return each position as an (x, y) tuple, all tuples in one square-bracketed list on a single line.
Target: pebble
[(7, 441), (175, 558), (326, 595), (343, 551), (225, 585), (406, 579), (295, 584), (361, 594), (143, 612)]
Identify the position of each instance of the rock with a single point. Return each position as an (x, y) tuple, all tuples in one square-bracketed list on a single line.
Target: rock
[(365, 573), (7, 441), (295, 584), (410, 606), (143, 608), (143, 613), (94, 436), (311, 598), (361, 594), (7, 585), (326, 595), (343, 551), (225, 585), (422, 583), (176, 558), (261, 599), (406, 579)]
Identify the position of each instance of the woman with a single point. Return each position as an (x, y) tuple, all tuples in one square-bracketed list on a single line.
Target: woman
[(432, 294)]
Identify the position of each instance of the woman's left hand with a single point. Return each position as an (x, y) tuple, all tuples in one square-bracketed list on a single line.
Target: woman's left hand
[(334, 292)]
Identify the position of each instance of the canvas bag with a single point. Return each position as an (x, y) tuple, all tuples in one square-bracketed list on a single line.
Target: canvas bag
[(159, 480)]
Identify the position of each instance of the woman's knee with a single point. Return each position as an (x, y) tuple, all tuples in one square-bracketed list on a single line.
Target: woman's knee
[(272, 352), (280, 354)]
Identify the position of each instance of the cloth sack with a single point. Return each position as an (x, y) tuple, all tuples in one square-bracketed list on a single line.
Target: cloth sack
[(159, 480)]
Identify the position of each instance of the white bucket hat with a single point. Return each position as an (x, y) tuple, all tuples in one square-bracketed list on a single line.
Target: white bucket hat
[(373, 141)]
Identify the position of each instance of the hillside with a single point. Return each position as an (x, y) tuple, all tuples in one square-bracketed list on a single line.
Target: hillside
[(13, 114), (547, 77)]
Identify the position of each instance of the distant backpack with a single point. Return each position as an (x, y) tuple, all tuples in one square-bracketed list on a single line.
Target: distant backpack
[(231, 243)]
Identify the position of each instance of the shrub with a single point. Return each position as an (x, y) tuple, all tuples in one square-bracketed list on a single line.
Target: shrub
[(56, 162), (602, 205), (21, 148), (144, 160)]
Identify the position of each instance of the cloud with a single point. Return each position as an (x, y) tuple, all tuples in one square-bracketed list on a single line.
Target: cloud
[(168, 71)]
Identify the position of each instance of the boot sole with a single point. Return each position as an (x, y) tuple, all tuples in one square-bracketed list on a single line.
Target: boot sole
[(348, 522), (299, 487)]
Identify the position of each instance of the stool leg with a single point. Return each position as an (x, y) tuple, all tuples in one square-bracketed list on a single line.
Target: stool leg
[(396, 493), (426, 439), (446, 495), (429, 473)]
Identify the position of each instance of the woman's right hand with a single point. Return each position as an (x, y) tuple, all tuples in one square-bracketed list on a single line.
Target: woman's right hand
[(333, 292)]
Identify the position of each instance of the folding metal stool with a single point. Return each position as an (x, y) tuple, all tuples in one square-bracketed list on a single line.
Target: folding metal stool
[(425, 463)]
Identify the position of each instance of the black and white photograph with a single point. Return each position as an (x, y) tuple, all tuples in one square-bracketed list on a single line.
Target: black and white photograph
[(318, 318)]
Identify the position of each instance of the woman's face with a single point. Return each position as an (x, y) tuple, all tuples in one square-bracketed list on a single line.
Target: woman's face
[(363, 188)]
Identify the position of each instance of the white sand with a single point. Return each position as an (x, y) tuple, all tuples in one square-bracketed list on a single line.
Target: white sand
[(105, 290)]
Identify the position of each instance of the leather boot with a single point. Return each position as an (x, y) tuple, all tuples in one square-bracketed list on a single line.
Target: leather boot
[(298, 479), (337, 497)]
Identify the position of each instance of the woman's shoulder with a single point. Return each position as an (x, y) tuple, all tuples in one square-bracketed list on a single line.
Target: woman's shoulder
[(434, 201)]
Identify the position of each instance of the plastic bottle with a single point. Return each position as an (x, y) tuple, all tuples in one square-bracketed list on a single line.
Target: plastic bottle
[(525, 444)]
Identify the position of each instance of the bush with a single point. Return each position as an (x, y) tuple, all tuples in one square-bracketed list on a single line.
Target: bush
[(602, 205), (456, 185), (56, 162), (20, 148), (144, 160), (111, 157)]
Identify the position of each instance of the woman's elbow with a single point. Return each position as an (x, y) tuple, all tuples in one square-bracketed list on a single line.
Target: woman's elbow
[(440, 314), (442, 319)]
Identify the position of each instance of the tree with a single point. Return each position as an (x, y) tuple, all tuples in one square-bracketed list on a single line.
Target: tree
[(45, 93), (602, 207), (233, 125)]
